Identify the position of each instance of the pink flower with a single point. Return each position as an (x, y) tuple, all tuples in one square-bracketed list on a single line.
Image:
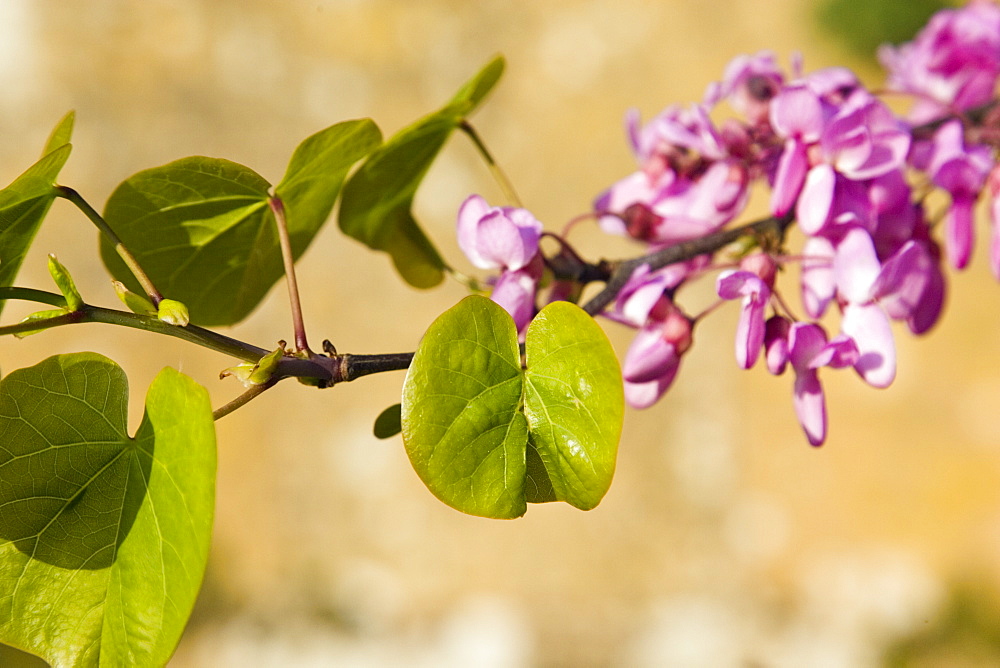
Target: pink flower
[(962, 171), (672, 209), (829, 199), (749, 83), (497, 237), (903, 287), (952, 64), (864, 139), (734, 284), (672, 136), (643, 295), (797, 115), (652, 361), (808, 351), (515, 292)]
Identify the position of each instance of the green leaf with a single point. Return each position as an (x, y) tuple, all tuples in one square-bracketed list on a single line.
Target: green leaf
[(202, 231), (201, 228), (24, 203), (103, 538), (388, 423), (487, 437), (316, 173), (574, 402), (61, 134), (461, 425), (376, 208)]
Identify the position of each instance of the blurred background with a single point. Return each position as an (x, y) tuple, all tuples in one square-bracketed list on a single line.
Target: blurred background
[(725, 539)]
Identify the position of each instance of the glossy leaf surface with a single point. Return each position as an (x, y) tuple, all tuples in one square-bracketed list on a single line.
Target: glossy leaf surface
[(24, 203), (202, 229), (316, 172), (376, 208), (486, 437), (574, 402), (103, 537)]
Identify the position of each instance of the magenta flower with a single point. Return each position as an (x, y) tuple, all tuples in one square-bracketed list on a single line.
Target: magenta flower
[(864, 139), (652, 361), (808, 351), (829, 199), (734, 284), (672, 209), (687, 184), (689, 209), (642, 297), (832, 134), (749, 83), (515, 292), (625, 207), (952, 64), (797, 115), (669, 139), (497, 237), (962, 171), (903, 287), (857, 273)]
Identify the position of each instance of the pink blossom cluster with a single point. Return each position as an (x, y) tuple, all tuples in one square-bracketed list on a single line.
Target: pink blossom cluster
[(852, 174)]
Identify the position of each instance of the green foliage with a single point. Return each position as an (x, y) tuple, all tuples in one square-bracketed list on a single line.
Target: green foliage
[(865, 24), (574, 402), (317, 170), (486, 436), (24, 203), (202, 229), (103, 537), (376, 208)]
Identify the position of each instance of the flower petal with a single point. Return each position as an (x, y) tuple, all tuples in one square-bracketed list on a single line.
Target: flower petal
[(469, 214), (649, 357), (816, 199), (818, 285), (810, 406), (515, 292), (869, 326), (791, 174), (856, 266)]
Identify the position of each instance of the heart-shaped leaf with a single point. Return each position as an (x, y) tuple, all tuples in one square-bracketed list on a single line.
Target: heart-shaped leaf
[(103, 537), (202, 231), (486, 437), (376, 208), (201, 228), (24, 203)]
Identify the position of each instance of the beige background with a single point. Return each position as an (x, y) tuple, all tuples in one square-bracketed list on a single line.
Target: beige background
[(725, 540)]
